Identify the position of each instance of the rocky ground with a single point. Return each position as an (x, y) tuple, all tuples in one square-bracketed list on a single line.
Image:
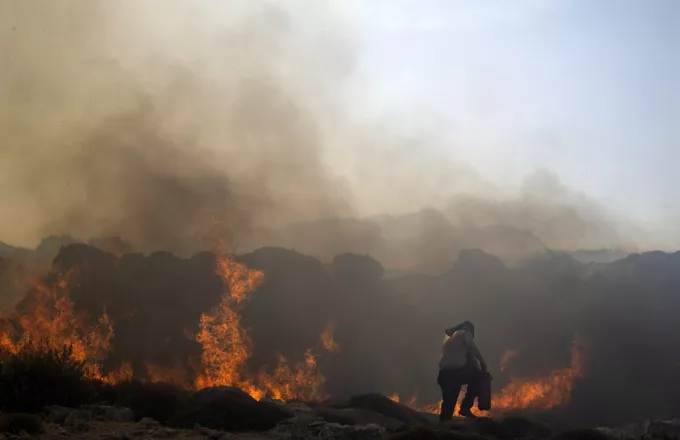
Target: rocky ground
[(220, 416)]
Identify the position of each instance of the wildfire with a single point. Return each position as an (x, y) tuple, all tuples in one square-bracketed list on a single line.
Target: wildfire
[(226, 347), (176, 375), (53, 324), (225, 343), (543, 392), (539, 393), (411, 403)]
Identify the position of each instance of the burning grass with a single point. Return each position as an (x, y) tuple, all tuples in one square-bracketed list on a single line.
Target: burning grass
[(225, 349), (537, 393), (225, 344)]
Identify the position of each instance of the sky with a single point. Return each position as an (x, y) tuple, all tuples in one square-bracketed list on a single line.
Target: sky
[(589, 90)]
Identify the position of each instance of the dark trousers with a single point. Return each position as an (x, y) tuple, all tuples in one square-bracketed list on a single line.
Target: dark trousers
[(451, 381)]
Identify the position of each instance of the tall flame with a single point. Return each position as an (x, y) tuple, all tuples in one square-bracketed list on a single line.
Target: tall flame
[(53, 323), (227, 347)]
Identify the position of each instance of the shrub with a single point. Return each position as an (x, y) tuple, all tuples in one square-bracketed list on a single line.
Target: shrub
[(160, 401), (229, 409), (39, 376), (15, 423)]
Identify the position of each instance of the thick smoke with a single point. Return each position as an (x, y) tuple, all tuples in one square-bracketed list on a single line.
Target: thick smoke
[(169, 125), (103, 142)]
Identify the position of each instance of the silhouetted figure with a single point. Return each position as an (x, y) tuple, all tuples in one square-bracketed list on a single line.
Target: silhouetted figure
[(461, 364)]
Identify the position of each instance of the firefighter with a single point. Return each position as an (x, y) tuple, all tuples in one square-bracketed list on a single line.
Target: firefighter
[(461, 364)]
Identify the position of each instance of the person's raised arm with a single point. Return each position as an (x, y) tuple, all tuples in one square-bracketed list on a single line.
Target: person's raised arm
[(475, 352)]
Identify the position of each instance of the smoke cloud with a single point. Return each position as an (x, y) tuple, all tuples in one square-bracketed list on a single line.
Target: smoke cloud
[(170, 124)]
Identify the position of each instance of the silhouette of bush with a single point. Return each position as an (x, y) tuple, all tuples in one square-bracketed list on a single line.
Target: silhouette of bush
[(385, 406), (39, 376), (160, 401), (16, 423), (229, 409)]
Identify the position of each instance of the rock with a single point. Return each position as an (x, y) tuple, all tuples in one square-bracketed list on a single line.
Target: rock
[(667, 429), (298, 407), (321, 429), (582, 434), (607, 431), (76, 421), (629, 431), (417, 433), (148, 422), (57, 414), (358, 416), (519, 427), (383, 405), (210, 433), (112, 414), (22, 424), (229, 409)]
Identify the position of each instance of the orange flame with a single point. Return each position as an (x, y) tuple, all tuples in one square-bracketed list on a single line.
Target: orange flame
[(53, 322), (327, 340), (176, 375), (539, 393), (543, 392), (226, 346)]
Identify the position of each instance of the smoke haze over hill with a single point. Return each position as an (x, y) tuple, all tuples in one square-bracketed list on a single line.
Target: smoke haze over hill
[(168, 125)]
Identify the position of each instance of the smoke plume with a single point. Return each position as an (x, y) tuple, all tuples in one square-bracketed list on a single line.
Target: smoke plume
[(170, 125)]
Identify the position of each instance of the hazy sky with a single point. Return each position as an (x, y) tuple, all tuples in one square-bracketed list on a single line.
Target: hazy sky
[(589, 89)]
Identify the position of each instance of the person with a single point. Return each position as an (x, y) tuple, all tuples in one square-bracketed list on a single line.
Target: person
[(461, 364)]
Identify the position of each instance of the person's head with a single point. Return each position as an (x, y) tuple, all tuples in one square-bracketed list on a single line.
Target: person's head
[(467, 325)]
